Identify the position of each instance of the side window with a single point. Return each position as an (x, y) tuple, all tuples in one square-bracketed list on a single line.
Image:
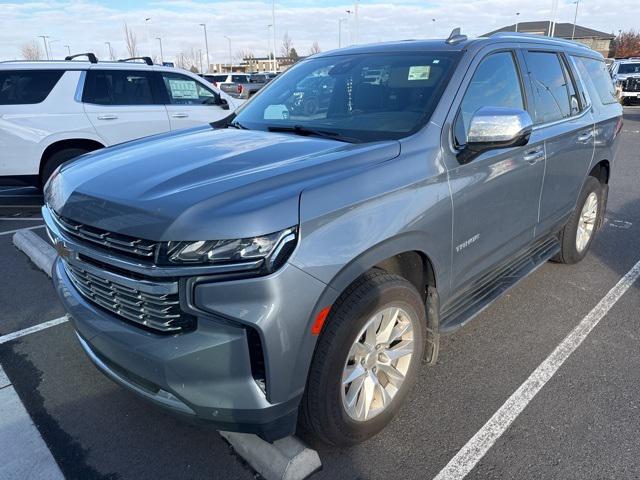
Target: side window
[(574, 103), (118, 87), (550, 87), (595, 71), (183, 90), (24, 87), (495, 83)]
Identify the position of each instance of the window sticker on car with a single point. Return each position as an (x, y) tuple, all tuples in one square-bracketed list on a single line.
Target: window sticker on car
[(204, 92), (184, 89), (419, 72), (276, 112)]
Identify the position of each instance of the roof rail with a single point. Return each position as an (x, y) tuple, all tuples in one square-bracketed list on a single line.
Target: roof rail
[(92, 58), (147, 60), (455, 37), (537, 37)]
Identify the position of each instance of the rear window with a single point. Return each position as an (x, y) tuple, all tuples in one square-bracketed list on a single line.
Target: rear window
[(239, 79), (258, 79), (118, 87), (216, 78), (27, 86), (627, 68), (595, 72)]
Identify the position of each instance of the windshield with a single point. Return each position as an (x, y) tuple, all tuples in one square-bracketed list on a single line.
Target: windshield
[(626, 68), (362, 97)]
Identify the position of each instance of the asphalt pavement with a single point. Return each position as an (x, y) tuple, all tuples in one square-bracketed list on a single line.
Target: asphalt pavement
[(583, 423)]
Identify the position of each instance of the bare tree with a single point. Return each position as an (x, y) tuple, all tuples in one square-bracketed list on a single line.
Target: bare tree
[(31, 51), (315, 48), (189, 60), (286, 46), (131, 41), (626, 44)]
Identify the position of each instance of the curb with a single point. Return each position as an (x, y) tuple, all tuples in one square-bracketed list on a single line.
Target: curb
[(285, 459), (34, 247)]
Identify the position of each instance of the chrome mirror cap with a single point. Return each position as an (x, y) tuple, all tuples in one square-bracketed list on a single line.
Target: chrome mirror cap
[(498, 125)]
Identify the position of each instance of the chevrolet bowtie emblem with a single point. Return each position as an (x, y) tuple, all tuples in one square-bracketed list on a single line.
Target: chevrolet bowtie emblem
[(62, 249)]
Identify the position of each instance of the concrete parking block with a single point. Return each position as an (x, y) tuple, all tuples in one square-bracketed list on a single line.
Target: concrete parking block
[(23, 453), (38, 251), (286, 459), (4, 380)]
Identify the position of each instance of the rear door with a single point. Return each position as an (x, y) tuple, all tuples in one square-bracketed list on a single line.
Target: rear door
[(190, 102), (123, 105), (495, 196), (562, 118)]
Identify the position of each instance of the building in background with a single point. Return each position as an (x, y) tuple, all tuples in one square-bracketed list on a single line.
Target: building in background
[(594, 39)]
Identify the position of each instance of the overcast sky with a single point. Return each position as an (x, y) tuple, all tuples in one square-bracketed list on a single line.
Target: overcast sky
[(86, 25)]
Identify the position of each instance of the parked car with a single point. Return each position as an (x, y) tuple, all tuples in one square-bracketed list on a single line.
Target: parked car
[(280, 267), (238, 85), (56, 110), (626, 76)]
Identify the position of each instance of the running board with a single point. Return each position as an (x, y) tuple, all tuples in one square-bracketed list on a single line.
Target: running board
[(493, 285)]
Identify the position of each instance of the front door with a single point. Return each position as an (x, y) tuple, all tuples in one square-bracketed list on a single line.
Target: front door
[(189, 102), (495, 196)]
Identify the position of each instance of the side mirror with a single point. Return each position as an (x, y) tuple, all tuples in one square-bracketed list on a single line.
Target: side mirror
[(495, 127)]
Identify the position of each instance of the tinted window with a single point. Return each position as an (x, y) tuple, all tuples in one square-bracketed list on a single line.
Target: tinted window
[(595, 71), (574, 103), (118, 87), (239, 79), (258, 79), (495, 83), (216, 78), (626, 68), (363, 97), (550, 87), (183, 90), (27, 87)]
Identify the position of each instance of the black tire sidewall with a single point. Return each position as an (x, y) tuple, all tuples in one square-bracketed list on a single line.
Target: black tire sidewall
[(335, 424), (570, 253), (58, 159)]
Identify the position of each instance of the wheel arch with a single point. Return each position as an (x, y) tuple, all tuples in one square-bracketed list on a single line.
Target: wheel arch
[(59, 145), (601, 171)]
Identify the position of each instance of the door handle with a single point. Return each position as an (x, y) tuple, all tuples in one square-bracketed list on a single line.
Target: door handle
[(180, 115), (108, 116), (534, 156), (584, 137)]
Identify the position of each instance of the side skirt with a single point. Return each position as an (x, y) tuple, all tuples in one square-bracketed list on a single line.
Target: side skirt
[(493, 285)]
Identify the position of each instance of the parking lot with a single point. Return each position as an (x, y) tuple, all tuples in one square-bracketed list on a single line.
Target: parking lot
[(583, 423)]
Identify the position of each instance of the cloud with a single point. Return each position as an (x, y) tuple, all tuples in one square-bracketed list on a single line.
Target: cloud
[(86, 25)]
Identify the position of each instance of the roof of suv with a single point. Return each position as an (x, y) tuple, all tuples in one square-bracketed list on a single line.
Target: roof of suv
[(462, 44), (76, 65)]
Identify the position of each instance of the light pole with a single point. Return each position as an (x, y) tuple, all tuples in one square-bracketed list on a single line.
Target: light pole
[(273, 22), (68, 49), (349, 12), (146, 28), (433, 22), (575, 18), (108, 44), (269, 41), (200, 57), (51, 49), (340, 22), (206, 44), (46, 48), (230, 58), (357, 7), (517, 15), (162, 54)]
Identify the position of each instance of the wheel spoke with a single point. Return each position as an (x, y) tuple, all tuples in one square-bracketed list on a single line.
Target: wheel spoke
[(372, 330), (352, 372), (353, 393), (399, 330), (394, 376), (400, 350), (365, 399), (389, 319), (358, 350), (384, 395)]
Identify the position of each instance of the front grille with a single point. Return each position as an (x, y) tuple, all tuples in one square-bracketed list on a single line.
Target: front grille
[(631, 84), (159, 312), (135, 247)]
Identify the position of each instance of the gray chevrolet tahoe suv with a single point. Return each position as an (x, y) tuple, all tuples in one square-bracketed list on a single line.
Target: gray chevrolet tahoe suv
[(284, 269)]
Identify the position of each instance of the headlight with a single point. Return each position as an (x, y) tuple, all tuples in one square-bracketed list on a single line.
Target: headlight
[(273, 248)]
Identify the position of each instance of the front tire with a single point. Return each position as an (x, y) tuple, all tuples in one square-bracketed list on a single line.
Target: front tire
[(366, 360), (577, 235)]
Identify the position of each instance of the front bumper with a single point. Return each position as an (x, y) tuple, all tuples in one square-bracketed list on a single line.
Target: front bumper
[(206, 373)]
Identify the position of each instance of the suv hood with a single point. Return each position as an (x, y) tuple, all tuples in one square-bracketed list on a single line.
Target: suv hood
[(204, 183)]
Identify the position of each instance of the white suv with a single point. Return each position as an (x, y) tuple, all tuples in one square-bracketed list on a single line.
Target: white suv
[(53, 111)]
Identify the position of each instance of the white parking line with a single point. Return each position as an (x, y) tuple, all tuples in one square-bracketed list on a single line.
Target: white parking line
[(8, 232), (36, 328), (469, 455)]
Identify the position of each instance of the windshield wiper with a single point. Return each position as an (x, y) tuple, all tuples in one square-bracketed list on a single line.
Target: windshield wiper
[(229, 121), (236, 124), (312, 132)]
